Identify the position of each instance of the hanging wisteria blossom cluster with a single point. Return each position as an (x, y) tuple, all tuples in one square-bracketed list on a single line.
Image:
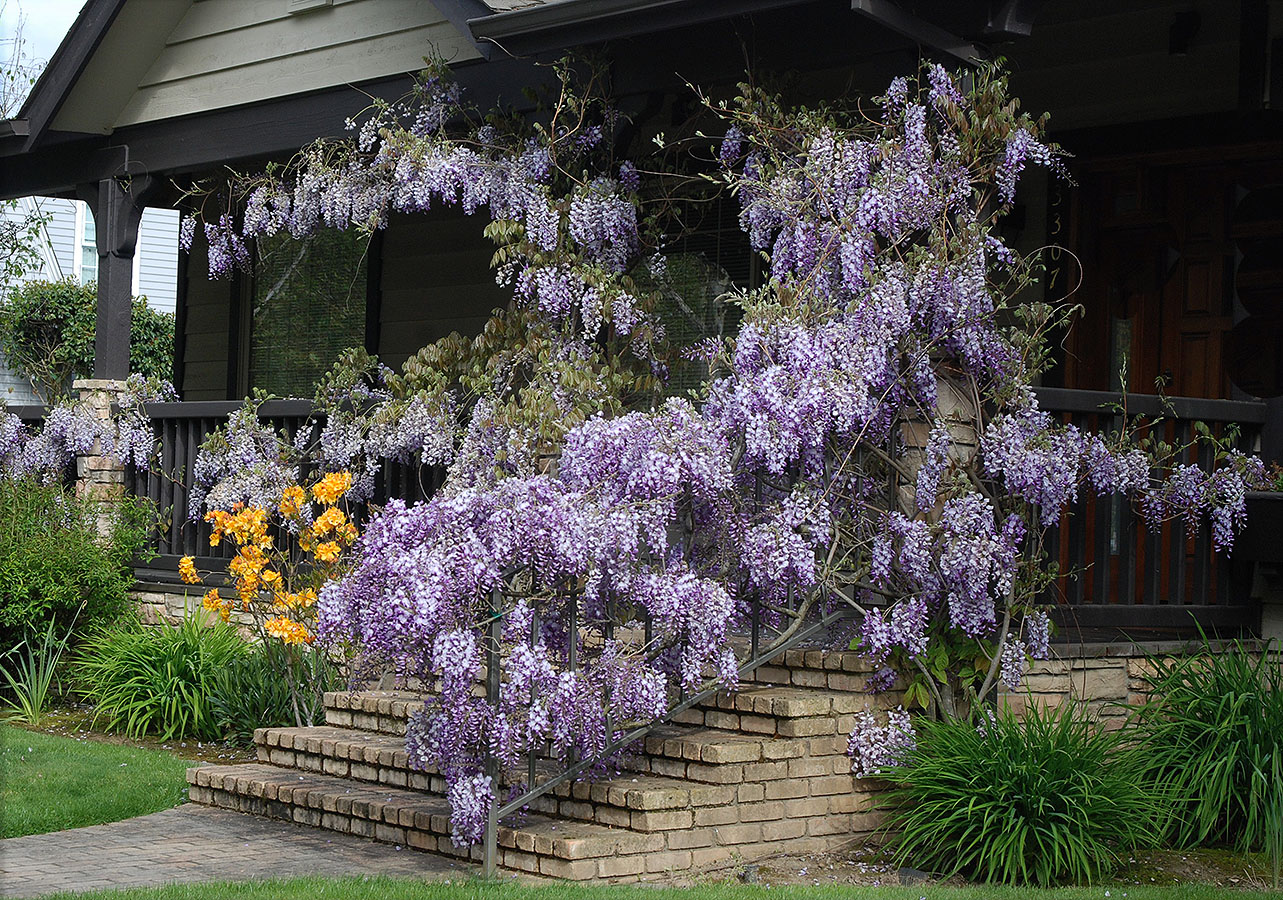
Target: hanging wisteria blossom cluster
[(871, 441), (71, 429)]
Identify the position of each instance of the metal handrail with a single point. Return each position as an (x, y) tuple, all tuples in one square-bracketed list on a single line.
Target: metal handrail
[(628, 735)]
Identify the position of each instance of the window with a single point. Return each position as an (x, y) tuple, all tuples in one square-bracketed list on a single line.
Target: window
[(309, 304), (710, 260), (86, 245)]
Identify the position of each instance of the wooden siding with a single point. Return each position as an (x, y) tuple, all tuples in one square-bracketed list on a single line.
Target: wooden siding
[(225, 53), (131, 44), (436, 279), (158, 258), (206, 327), (1100, 62)]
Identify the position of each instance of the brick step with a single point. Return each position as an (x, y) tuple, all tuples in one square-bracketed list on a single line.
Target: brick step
[(385, 712), (792, 807), (558, 848), (769, 710), (367, 756), (714, 756), (683, 768), (676, 750), (780, 710)]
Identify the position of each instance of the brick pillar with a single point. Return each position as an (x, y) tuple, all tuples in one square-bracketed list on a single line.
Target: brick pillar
[(99, 478)]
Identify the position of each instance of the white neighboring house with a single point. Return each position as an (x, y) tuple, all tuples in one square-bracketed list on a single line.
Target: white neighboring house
[(67, 250)]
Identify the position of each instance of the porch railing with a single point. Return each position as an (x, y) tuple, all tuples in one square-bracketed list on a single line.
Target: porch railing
[(180, 429), (31, 415), (28, 413), (1119, 574)]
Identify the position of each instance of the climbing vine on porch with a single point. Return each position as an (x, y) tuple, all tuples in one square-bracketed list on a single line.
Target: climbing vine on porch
[(868, 441)]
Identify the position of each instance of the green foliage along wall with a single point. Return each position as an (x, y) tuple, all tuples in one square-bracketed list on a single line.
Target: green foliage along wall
[(47, 335)]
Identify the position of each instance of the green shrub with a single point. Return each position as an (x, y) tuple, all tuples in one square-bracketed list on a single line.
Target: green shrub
[(157, 679), (53, 566), (1213, 731), (1048, 798), (251, 692), (47, 335)]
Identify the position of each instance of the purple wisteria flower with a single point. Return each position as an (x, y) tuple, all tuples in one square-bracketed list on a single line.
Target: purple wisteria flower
[(873, 747)]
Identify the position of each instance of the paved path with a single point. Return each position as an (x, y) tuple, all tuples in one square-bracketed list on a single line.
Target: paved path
[(198, 843)]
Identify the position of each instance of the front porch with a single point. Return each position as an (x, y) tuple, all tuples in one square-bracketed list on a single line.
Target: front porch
[(1120, 578)]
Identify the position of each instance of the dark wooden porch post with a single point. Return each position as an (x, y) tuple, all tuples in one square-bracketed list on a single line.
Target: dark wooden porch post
[(1272, 432), (117, 205)]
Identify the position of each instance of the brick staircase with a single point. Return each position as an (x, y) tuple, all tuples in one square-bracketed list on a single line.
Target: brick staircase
[(746, 775)]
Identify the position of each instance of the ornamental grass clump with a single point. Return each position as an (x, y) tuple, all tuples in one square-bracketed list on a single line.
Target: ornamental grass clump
[(157, 680), (1048, 798), (251, 693), (1213, 734)]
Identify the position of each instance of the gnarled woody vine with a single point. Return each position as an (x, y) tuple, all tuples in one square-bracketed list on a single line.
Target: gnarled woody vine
[(869, 439)]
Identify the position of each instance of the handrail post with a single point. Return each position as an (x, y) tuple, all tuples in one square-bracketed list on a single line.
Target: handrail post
[(490, 854)]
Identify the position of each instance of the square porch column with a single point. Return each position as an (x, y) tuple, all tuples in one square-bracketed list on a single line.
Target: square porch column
[(117, 205)]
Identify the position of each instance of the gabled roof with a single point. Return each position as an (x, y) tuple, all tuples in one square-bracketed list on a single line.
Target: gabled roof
[(63, 70), (168, 86)]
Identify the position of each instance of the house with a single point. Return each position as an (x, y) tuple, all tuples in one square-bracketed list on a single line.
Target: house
[(1168, 237), (67, 249)]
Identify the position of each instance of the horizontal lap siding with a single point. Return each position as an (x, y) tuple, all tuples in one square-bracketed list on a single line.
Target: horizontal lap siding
[(436, 279), (158, 258), (1097, 63), (241, 51), (205, 330), (61, 229)]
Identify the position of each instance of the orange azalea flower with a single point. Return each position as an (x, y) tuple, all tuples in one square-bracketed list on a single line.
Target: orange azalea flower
[(215, 603), (328, 552), (287, 630), (304, 599), (333, 486), (292, 500), (332, 519), (187, 570)]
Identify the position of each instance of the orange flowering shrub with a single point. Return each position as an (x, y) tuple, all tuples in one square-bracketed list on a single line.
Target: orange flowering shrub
[(277, 584)]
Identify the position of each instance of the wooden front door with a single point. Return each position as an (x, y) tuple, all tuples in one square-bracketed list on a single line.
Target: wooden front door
[(1196, 302), (1157, 268), (1161, 244)]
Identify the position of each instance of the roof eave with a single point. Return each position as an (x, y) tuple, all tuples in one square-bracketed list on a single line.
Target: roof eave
[(66, 65), (559, 26)]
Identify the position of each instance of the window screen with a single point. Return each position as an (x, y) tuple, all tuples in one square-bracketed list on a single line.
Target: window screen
[(309, 304)]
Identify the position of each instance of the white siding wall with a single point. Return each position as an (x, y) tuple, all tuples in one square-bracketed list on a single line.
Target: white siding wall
[(62, 235), (157, 268)]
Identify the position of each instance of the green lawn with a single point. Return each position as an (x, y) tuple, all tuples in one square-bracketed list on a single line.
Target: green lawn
[(50, 783), (401, 889)]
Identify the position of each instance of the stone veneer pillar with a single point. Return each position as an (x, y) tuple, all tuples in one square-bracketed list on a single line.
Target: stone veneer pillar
[(100, 479)]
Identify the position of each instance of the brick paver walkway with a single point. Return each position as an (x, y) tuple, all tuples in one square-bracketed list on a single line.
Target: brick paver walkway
[(198, 843)]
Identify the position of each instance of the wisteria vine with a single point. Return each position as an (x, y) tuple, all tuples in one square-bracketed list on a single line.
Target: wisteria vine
[(869, 440)]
